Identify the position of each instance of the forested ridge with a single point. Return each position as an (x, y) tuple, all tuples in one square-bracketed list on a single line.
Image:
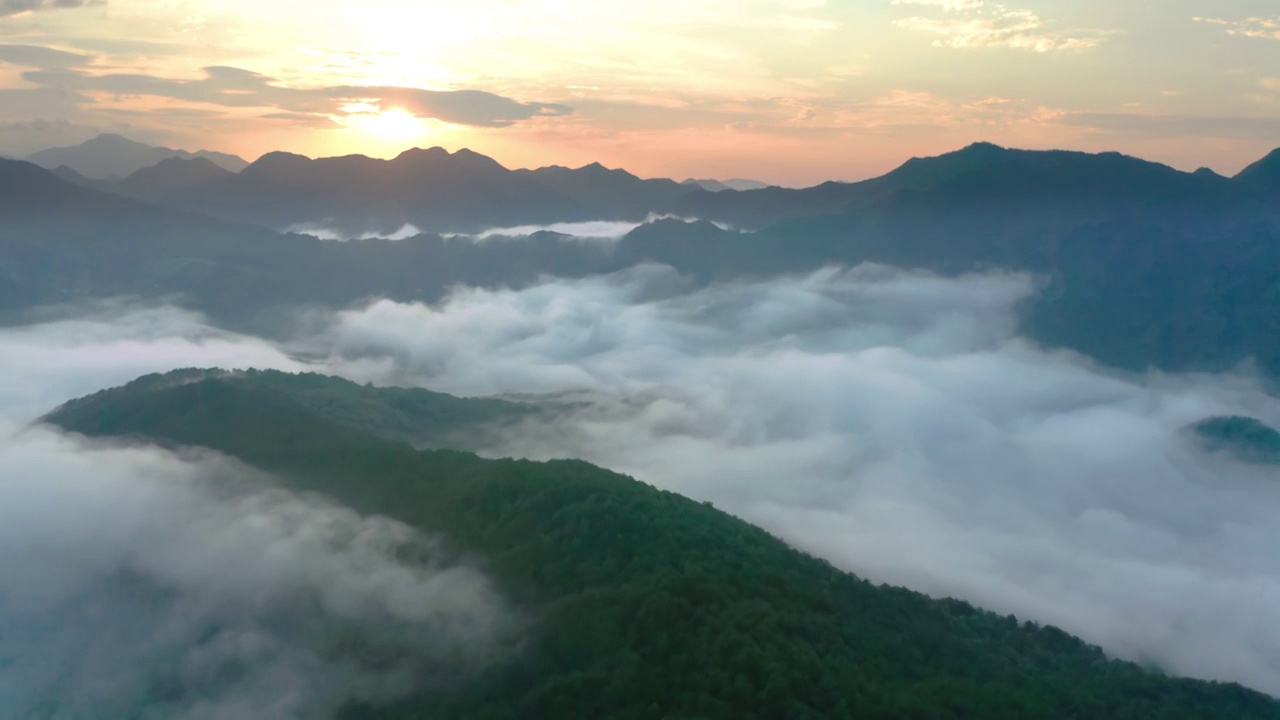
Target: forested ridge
[(1142, 265), (642, 603)]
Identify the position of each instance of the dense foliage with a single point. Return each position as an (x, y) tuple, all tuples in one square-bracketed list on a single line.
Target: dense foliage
[(1246, 438), (645, 604)]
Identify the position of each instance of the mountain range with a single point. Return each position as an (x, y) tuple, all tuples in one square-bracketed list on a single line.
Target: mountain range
[(1142, 265), (111, 156)]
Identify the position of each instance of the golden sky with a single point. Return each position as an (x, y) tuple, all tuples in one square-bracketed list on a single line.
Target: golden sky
[(790, 91)]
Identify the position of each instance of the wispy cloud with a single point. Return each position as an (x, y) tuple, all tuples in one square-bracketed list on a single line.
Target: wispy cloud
[(15, 7), (239, 88), (971, 24), (945, 5), (1254, 27)]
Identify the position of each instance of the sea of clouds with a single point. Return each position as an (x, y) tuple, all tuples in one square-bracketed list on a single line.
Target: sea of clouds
[(892, 422)]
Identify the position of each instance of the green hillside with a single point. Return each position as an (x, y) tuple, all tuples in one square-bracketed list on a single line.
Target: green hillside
[(645, 604), (1245, 438)]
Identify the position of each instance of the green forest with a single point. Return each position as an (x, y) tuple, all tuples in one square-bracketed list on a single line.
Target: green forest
[(642, 603)]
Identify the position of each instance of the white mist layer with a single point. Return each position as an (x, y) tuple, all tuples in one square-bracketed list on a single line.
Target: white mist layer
[(325, 232), (135, 583), (892, 423), (609, 230)]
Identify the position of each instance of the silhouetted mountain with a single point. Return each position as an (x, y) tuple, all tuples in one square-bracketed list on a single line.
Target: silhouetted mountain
[(1142, 265), (170, 176), (711, 185), (1264, 174), (110, 155), (110, 185), (641, 603), (27, 190), (608, 194), (980, 173), (432, 189)]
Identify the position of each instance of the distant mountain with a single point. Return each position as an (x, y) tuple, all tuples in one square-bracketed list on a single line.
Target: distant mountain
[(170, 176), (27, 190), (432, 189), (640, 603), (722, 185), (607, 194), (109, 155), (105, 185), (1264, 174), (979, 173), (1142, 265)]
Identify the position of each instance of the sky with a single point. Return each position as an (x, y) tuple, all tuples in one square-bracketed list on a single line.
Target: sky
[(787, 91)]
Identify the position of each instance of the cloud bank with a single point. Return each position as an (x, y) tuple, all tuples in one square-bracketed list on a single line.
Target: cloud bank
[(14, 7), (139, 583), (893, 423), (73, 75), (591, 230), (889, 421)]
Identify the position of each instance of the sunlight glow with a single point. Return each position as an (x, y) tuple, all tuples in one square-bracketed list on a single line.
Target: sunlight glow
[(391, 125)]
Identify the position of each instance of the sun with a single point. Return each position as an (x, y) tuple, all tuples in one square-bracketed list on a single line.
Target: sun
[(395, 125)]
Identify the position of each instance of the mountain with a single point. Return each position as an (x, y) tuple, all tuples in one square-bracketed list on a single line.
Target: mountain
[(608, 194), (1248, 439), (63, 243), (722, 185), (110, 155), (1263, 174), (642, 603), (1140, 265), (75, 178), (29, 190), (171, 175), (980, 173), (431, 189)]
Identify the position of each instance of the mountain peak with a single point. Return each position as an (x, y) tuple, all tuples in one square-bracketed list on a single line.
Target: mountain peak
[(982, 146), (1265, 172), (112, 139), (171, 174), (417, 153), (110, 154)]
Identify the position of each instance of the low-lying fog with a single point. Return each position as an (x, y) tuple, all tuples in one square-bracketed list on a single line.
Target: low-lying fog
[(891, 422), (136, 583)]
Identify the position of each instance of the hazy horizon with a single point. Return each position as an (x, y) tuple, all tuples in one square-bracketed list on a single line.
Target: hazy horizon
[(792, 92)]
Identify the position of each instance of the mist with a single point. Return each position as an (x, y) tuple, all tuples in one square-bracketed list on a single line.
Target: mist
[(323, 231), (895, 424), (140, 583), (891, 422), (607, 230)]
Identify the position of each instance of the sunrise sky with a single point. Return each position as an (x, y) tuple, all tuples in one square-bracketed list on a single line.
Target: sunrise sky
[(790, 91)]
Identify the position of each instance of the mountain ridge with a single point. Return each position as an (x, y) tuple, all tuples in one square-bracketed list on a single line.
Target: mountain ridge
[(112, 155), (632, 588)]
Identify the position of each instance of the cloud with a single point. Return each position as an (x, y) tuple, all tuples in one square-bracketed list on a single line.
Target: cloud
[(325, 232), (135, 583), (140, 583), (1253, 27), (971, 24), (42, 57), (893, 423), (945, 5), (611, 230), (239, 88), (15, 7), (1149, 125)]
